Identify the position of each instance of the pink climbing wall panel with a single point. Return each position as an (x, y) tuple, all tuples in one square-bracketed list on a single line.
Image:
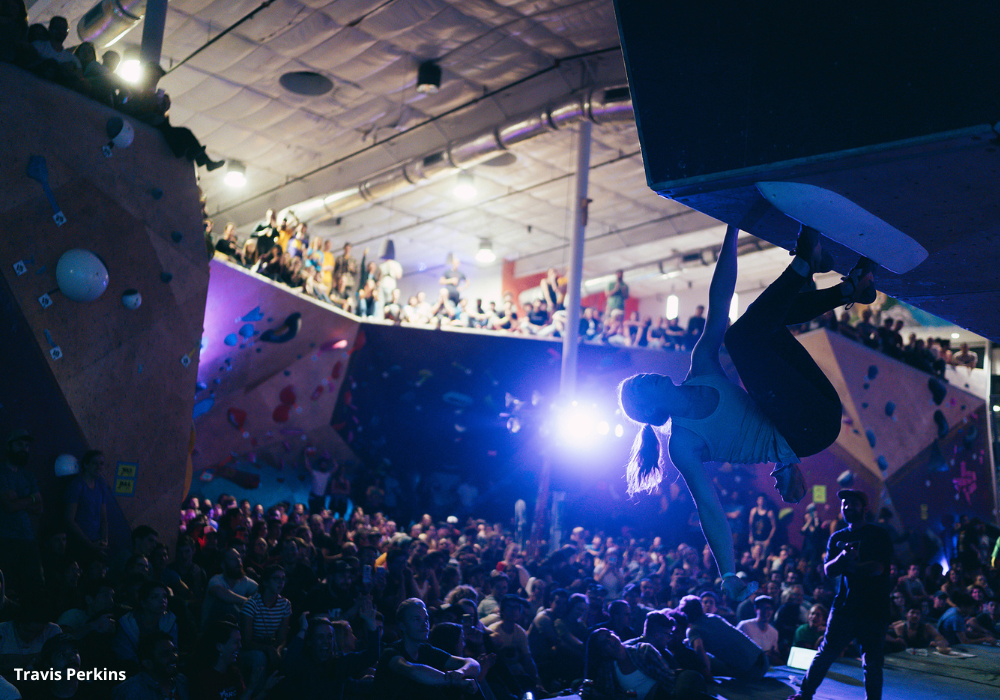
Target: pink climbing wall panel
[(126, 374), (271, 367)]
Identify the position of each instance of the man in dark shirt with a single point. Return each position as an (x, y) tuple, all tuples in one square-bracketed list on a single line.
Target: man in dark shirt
[(266, 234), (19, 500), (858, 558), (696, 326), (412, 669)]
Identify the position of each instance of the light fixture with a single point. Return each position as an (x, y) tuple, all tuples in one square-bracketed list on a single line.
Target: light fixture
[(236, 174), (465, 187), (130, 70), (673, 307), (485, 253), (955, 336), (428, 78)]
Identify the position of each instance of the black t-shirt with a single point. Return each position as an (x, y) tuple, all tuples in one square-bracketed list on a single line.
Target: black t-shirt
[(455, 279), (332, 605), (212, 685), (390, 686), (858, 595), (267, 236), (538, 318)]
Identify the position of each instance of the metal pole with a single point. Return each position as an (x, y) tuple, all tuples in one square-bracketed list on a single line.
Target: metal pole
[(571, 334), (152, 31)]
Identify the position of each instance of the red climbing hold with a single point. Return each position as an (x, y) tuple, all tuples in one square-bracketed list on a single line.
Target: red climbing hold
[(335, 374), (236, 417), (280, 414), (317, 392), (287, 395)]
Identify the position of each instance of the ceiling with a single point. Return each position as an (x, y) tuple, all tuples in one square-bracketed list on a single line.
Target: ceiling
[(500, 59)]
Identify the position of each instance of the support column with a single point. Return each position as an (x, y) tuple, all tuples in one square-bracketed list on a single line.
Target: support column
[(571, 334), (154, 21)]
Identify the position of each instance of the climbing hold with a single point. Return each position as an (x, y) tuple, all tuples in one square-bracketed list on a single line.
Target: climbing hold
[(846, 478), (890, 408), (246, 330), (938, 389), (254, 315), (287, 395), (941, 422), (335, 374), (882, 463), (200, 386), (231, 339), (864, 405), (280, 414), (176, 236), (872, 371), (203, 406), (81, 275), (165, 277), (317, 392), (131, 299), (156, 193), (866, 385), (871, 437), (285, 332), (288, 373), (236, 417)]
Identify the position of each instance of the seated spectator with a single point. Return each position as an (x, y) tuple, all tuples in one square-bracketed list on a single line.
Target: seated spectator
[(543, 639), (60, 653), (615, 668), (22, 638), (264, 624), (489, 607), (412, 669), (192, 575), (511, 641), (729, 652), (809, 635), (619, 621), (915, 633), (97, 616), (760, 629), (953, 624), (52, 47), (150, 616), (228, 245), (317, 665), (159, 678), (228, 591), (684, 655)]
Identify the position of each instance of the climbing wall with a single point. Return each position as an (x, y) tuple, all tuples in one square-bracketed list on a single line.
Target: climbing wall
[(125, 372), (272, 362), (914, 442)]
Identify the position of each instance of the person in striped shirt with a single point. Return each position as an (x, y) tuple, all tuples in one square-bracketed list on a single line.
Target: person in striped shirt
[(264, 624)]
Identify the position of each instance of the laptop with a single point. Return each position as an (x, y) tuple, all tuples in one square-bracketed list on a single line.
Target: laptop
[(800, 658)]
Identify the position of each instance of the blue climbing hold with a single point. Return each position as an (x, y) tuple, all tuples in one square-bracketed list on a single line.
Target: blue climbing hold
[(872, 371), (890, 408), (254, 315), (165, 277), (231, 340), (882, 463), (203, 406), (866, 385), (871, 437), (176, 235), (200, 386), (156, 193), (246, 330), (864, 405)]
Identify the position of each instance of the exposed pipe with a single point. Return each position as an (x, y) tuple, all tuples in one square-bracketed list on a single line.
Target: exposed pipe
[(599, 105), (109, 20), (571, 332)]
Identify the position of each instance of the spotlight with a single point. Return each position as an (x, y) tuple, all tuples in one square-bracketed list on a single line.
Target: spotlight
[(485, 253), (955, 336), (673, 304), (428, 78), (996, 408), (130, 71), (465, 187), (603, 427), (619, 430), (236, 174), (577, 425)]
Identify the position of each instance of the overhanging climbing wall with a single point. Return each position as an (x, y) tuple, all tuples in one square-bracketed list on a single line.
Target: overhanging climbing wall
[(125, 374), (271, 366)]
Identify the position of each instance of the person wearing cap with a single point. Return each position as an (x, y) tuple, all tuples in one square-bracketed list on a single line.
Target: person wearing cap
[(760, 629), (858, 558), (19, 500)]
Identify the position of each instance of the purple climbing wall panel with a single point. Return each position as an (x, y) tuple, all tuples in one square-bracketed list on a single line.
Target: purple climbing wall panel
[(271, 367)]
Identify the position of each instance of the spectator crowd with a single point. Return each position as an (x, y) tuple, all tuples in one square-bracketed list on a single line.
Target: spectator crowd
[(293, 600)]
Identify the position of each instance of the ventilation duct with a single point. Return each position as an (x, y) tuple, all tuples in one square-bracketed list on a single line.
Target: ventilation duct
[(600, 105), (109, 20)]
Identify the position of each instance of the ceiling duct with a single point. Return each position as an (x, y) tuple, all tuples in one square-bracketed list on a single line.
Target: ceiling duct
[(600, 105), (109, 20)]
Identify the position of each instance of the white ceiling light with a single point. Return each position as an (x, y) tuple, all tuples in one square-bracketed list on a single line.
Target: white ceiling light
[(485, 253), (236, 174), (465, 187), (673, 304)]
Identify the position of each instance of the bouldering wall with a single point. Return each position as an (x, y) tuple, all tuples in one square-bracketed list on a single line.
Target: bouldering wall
[(272, 363), (125, 362), (915, 443)]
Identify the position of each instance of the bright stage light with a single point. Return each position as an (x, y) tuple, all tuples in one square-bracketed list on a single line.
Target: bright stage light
[(603, 427), (577, 424), (619, 430), (130, 71)]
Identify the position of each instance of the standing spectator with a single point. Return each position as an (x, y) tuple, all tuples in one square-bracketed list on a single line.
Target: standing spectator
[(454, 281), (412, 669), (266, 234), (54, 48), (617, 294), (965, 358), (320, 474), (346, 268), (87, 498), (227, 245), (760, 629), (695, 327), (159, 679), (858, 557), (866, 330), (762, 524), (19, 500)]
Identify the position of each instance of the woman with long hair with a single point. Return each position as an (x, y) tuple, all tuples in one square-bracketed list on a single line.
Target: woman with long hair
[(788, 411)]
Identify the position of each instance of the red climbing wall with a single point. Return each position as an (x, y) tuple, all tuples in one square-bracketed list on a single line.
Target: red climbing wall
[(272, 364), (126, 375)]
